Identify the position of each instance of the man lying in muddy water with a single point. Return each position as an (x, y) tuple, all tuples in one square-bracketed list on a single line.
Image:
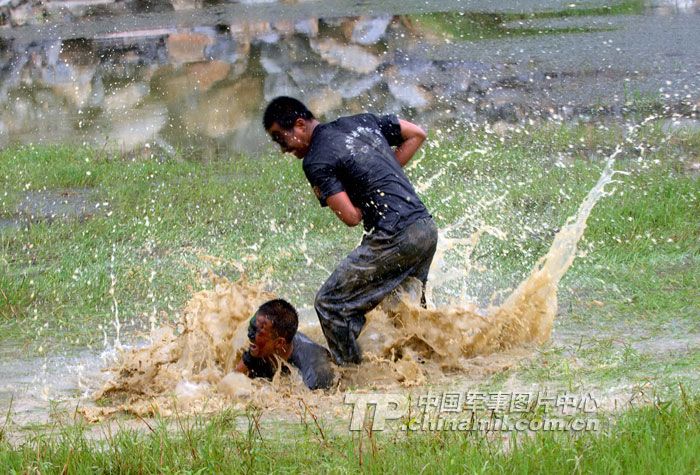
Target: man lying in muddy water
[(355, 171), (273, 337)]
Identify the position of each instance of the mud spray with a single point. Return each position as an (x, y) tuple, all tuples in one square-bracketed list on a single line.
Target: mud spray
[(190, 367)]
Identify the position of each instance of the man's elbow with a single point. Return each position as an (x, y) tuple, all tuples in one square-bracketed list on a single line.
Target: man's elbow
[(411, 131), (351, 217), (352, 221)]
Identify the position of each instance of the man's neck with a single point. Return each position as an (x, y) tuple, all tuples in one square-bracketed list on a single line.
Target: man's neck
[(312, 126)]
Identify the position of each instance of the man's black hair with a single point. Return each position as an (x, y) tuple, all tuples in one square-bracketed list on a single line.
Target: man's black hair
[(283, 316), (285, 110)]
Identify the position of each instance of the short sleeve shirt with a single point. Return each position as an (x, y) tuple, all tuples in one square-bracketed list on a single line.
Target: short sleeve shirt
[(354, 154)]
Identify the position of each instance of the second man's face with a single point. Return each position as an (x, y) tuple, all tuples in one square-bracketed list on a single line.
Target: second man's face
[(292, 140), (262, 337)]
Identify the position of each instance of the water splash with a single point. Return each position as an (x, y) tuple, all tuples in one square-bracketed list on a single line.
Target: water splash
[(191, 366)]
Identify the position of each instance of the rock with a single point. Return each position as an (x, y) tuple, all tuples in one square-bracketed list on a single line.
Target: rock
[(270, 66), (135, 127), (255, 31), (22, 15), (53, 120), (322, 101), (187, 47), (274, 60), (204, 75), (307, 27), (334, 22), (125, 97), (279, 85), (226, 49), (308, 74), (567, 112), (193, 77), (294, 49), (352, 85), (225, 109), (235, 385), (412, 65), (369, 30), (77, 87), (57, 74), (405, 89), (350, 57), (284, 27)]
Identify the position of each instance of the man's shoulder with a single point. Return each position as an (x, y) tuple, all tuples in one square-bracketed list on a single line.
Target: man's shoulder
[(303, 340), (347, 123), (330, 139), (314, 362), (326, 144), (365, 118)]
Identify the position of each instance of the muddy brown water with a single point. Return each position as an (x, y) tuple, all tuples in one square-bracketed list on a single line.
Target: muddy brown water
[(190, 367)]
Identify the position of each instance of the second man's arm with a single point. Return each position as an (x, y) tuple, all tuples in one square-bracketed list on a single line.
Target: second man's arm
[(413, 137), (344, 208)]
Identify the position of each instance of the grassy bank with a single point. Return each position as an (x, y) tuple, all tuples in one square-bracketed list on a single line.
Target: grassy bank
[(660, 438)]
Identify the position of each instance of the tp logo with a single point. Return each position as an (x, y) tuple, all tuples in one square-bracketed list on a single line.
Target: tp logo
[(386, 407)]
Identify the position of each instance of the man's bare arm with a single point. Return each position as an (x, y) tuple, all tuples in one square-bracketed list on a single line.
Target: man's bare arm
[(413, 137), (343, 208)]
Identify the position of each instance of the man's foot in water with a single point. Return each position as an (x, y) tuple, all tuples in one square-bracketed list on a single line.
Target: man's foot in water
[(350, 354)]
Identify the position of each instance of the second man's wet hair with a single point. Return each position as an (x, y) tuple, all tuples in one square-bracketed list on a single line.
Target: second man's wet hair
[(283, 316), (285, 111)]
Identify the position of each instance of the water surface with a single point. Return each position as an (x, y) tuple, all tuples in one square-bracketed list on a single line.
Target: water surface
[(164, 77)]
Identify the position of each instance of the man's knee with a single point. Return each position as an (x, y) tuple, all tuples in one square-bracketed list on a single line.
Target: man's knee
[(326, 306), (321, 304), (431, 238)]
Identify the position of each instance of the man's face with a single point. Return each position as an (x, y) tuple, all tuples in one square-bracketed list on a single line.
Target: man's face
[(262, 336), (291, 141)]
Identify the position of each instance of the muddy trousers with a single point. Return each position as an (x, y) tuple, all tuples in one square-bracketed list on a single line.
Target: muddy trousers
[(367, 275)]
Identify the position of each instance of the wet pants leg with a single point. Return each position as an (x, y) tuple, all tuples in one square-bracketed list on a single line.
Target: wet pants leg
[(367, 275)]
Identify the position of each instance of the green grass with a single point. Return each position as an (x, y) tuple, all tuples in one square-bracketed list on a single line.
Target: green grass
[(158, 217), (155, 218), (663, 437), (472, 26)]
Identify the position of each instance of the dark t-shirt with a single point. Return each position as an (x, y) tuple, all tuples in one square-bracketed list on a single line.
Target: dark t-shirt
[(354, 154), (312, 360)]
